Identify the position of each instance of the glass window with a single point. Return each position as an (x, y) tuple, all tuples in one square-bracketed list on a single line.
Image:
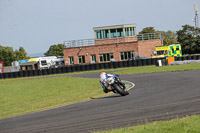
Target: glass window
[(81, 59), (44, 62), (126, 31), (106, 57), (93, 58), (120, 32), (126, 55), (71, 60), (98, 34), (113, 33)]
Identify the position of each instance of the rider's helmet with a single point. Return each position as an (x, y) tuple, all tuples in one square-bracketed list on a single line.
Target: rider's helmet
[(103, 75)]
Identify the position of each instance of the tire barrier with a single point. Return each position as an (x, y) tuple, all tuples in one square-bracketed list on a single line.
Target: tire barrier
[(96, 66)]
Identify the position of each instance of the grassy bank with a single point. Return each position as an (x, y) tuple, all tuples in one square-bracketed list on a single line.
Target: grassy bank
[(185, 125)]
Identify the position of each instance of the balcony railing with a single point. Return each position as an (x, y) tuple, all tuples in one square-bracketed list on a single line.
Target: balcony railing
[(149, 36), (90, 42), (79, 43)]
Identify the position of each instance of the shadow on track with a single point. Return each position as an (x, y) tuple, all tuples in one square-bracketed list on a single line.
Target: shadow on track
[(113, 96)]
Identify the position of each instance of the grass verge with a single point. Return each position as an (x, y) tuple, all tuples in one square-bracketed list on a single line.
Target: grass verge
[(189, 124)]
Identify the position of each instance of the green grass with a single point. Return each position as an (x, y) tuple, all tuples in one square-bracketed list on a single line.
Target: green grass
[(154, 69), (23, 96), (189, 124)]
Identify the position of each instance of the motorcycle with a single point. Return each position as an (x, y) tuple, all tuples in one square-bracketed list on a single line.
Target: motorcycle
[(117, 86)]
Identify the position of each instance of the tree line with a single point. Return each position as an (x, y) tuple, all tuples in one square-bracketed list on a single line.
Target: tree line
[(188, 37)]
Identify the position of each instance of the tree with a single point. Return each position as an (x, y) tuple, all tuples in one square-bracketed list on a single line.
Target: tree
[(168, 37), (147, 30), (7, 55), (189, 38), (55, 50), (21, 54)]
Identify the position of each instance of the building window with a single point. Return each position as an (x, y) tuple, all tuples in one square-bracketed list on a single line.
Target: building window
[(113, 33), (81, 59), (98, 34), (93, 58), (71, 60), (120, 33), (105, 57), (126, 55)]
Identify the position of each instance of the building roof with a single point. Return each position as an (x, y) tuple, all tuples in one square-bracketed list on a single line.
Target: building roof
[(28, 63), (114, 27), (33, 59)]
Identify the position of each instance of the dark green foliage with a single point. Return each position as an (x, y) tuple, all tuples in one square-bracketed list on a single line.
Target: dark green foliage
[(7, 55), (189, 38), (147, 30), (169, 37), (55, 50)]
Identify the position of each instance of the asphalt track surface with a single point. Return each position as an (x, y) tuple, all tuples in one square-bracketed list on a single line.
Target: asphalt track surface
[(158, 96)]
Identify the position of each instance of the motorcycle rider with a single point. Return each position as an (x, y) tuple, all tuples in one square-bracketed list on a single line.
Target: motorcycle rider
[(103, 80)]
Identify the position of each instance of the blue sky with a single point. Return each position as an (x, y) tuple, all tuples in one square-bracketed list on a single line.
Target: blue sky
[(37, 24)]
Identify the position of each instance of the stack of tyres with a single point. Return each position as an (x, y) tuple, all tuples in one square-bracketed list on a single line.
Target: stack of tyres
[(91, 66), (63, 70), (193, 57), (49, 71), (25, 73), (139, 62), (120, 64), (1, 75), (101, 66), (72, 68), (115, 64), (6, 75), (96, 66), (82, 67), (198, 57), (30, 73), (106, 66), (144, 62), (148, 61), (87, 67), (111, 65), (44, 71), (58, 70), (39, 73), (130, 63), (68, 69), (188, 57), (134, 63)]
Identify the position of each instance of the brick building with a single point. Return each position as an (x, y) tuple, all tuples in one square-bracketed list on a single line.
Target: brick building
[(111, 43)]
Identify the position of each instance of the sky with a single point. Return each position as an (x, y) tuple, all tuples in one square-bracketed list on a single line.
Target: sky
[(38, 24)]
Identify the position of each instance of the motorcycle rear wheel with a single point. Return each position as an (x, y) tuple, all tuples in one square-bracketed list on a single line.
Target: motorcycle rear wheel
[(119, 90)]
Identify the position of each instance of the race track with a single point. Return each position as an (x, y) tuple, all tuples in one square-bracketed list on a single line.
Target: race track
[(158, 96)]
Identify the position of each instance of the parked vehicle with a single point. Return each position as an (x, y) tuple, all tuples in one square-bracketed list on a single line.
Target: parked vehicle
[(173, 50), (138, 58), (114, 82)]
